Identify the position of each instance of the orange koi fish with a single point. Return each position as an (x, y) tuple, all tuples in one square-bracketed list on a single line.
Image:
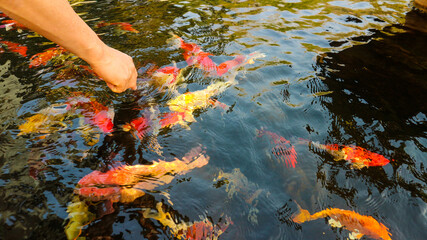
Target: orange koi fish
[(283, 149), (357, 156), (41, 59), (126, 183), (122, 25), (15, 47), (359, 225)]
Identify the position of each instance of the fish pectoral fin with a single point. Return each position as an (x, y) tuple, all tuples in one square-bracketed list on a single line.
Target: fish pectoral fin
[(334, 223), (355, 235), (358, 165)]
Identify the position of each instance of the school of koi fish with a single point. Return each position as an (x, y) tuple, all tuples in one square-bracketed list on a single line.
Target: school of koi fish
[(125, 183)]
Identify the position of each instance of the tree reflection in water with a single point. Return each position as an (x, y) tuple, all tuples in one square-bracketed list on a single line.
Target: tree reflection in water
[(378, 101)]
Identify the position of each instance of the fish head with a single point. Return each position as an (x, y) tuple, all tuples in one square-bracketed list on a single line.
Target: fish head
[(378, 160)]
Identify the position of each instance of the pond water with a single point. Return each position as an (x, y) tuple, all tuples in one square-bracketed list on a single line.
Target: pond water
[(332, 72)]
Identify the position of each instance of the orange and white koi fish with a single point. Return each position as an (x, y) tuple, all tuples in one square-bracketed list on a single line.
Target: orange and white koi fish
[(357, 156), (283, 149), (359, 225), (126, 183)]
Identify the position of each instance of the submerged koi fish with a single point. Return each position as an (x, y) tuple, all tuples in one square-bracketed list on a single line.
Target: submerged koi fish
[(140, 125), (194, 55), (283, 149), (357, 156), (41, 59), (122, 25), (126, 183), (185, 104), (13, 24), (15, 47), (45, 121), (95, 112), (200, 230), (359, 225)]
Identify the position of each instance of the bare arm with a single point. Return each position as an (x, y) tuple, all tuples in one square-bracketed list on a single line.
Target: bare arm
[(57, 21)]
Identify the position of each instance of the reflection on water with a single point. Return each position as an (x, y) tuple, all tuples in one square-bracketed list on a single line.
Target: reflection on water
[(334, 72)]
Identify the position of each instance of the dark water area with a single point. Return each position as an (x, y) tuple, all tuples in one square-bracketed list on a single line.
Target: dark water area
[(333, 72)]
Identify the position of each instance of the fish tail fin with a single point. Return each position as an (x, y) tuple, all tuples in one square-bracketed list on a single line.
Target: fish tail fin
[(304, 141), (302, 215)]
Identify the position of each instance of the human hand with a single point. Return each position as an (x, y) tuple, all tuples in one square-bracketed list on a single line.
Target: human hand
[(116, 69)]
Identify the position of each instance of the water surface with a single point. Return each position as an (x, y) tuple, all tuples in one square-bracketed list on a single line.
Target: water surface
[(344, 72)]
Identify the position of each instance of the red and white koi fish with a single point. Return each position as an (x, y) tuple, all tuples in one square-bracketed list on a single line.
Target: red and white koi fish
[(140, 125), (357, 156), (126, 183), (283, 149), (359, 225), (95, 112), (194, 55)]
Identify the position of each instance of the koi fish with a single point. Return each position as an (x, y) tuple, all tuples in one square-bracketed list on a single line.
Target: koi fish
[(13, 24), (173, 118), (357, 156), (126, 183), (359, 225), (167, 76), (185, 104), (72, 71), (78, 216), (45, 121), (200, 230), (193, 55), (95, 113), (283, 150), (41, 59), (140, 125), (122, 25), (15, 47)]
